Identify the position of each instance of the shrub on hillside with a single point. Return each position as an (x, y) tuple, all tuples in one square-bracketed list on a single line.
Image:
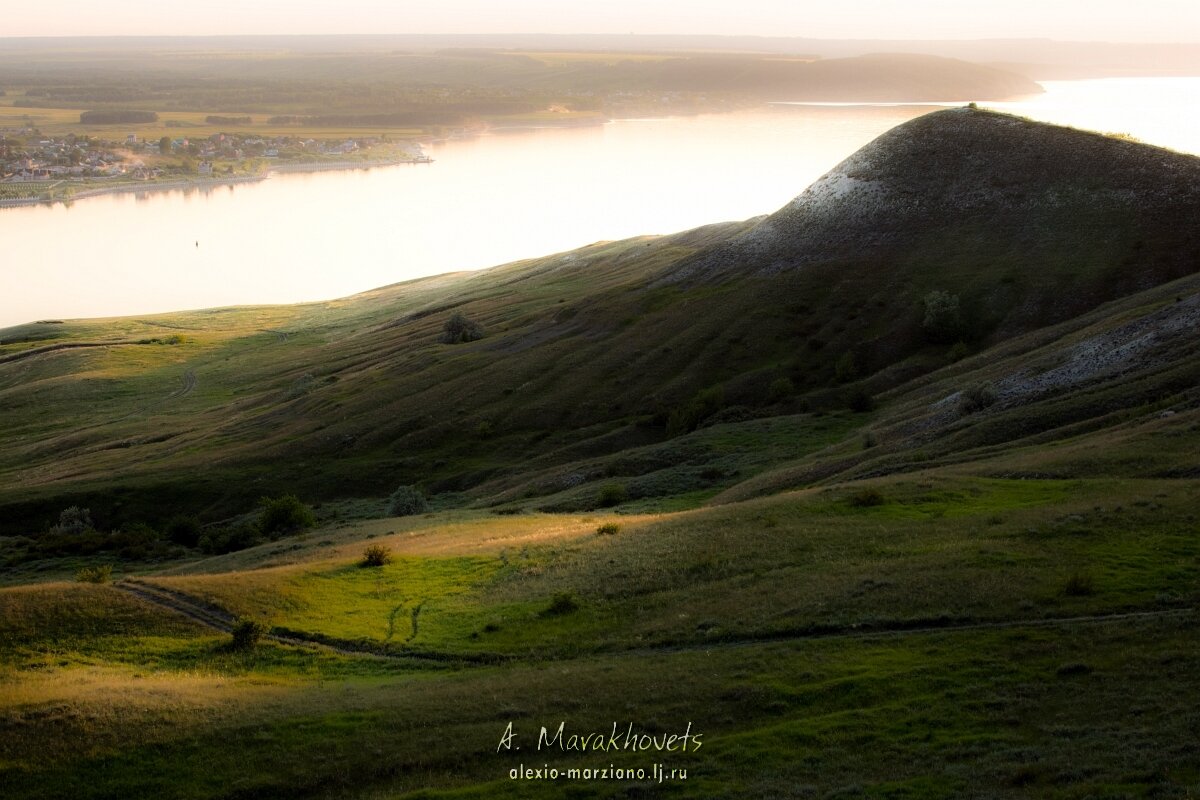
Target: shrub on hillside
[(1079, 584), (247, 633), (866, 498), (860, 402), (284, 514), (703, 405), (183, 530), (73, 520), (611, 495), (608, 529), (846, 368), (943, 317), (780, 390), (459, 329), (229, 539), (407, 501), (976, 399), (563, 603), (97, 574), (375, 555)]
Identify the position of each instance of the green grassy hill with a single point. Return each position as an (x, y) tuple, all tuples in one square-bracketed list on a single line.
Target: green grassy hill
[(889, 494), (599, 363)]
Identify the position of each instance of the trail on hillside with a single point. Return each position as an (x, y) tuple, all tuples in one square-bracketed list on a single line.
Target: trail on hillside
[(54, 348), (219, 619)]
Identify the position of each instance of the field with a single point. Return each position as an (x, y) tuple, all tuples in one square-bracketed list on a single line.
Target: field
[(934, 645)]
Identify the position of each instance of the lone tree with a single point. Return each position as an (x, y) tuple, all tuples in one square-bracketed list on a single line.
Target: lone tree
[(284, 515), (459, 329), (406, 501), (164, 145)]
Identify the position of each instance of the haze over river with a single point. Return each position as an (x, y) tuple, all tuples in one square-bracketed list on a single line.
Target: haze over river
[(486, 200)]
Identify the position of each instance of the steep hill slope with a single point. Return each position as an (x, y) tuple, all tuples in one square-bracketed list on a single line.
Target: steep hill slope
[(611, 348)]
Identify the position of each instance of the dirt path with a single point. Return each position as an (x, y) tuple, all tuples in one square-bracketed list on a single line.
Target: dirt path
[(189, 385), (221, 620)]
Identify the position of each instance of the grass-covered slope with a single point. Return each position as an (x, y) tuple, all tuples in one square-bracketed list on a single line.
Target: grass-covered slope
[(679, 480), (591, 353)]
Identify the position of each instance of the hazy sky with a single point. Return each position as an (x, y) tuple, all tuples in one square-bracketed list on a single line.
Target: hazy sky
[(1093, 20)]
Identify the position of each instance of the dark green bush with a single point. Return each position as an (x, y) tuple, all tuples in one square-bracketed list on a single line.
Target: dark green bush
[(562, 604), (612, 495), (976, 399), (229, 539), (97, 574), (375, 555), (284, 514), (183, 530), (780, 390), (406, 501), (1079, 584), (866, 498), (846, 368), (73, 520), (860, 401), (942, 322), (459, 329), (247, 633), (608, 529), (703, 405)]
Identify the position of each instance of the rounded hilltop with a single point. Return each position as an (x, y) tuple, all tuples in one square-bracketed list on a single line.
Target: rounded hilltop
[(989, 176)]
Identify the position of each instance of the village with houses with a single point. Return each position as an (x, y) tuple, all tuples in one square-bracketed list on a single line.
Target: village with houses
[(48, 168)]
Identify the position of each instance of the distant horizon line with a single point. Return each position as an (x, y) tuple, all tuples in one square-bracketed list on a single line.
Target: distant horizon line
[(627, 34)]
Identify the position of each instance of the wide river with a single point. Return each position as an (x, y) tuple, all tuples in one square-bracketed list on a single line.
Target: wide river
[(485, 200)]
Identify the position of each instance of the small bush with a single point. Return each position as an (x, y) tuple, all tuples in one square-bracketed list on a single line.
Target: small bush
[(612, 495), (958, 352), (73, 520), (459, 329), (375, 556), (1079, 584), (866, 498), (407, 501), (703, 405), (846, 368), (284, 514), (780, 390), (562, 604), (247, 633), (229, 539), (99, 574), (608, 529), (943, 318), (976, 399), (1073, 668), (183, 531), (860, 402)]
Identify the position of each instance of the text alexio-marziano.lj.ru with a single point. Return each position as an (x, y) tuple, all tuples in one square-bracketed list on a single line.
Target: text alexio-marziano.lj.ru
[(619, 739)]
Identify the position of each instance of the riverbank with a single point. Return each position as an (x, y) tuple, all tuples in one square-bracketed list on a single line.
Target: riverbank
[(185, 184)]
